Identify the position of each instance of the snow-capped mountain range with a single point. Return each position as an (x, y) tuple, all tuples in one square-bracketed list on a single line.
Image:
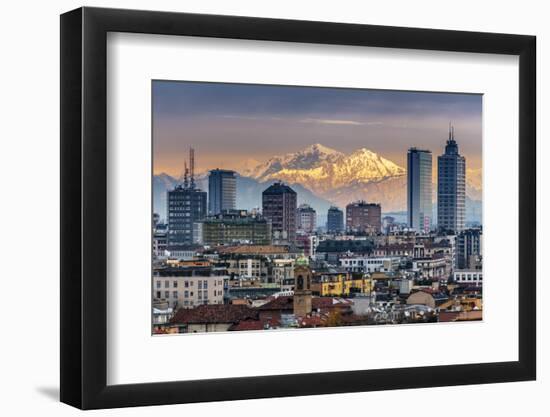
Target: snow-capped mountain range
[(324, 170), (327, 176)]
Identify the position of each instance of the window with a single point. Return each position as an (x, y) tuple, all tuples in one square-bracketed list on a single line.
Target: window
[(186, 284), (166, 294), (200, 284), (205, 285), (186, 294), (166, 284), (158, 284), (175, 284)]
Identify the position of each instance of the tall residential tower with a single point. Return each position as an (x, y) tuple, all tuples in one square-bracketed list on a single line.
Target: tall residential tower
[(419, 189), (279, 204), (451, 187)]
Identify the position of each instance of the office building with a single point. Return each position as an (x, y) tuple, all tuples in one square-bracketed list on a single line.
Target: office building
[(419, 189), (335, 220), (236, 227), (186, 206), (451, 187), (222, 191)]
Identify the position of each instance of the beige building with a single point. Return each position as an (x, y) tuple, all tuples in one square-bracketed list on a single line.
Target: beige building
[(189, 287)]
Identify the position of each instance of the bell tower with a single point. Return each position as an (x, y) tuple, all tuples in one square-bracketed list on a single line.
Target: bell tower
[(302, 288)]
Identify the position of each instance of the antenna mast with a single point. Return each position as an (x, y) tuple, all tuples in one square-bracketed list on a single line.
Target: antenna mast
[(192, 166), (185, 175)]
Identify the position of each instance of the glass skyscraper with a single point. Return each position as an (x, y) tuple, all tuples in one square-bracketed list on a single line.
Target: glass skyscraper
[(222, 191), (451, 187), (419, 189)]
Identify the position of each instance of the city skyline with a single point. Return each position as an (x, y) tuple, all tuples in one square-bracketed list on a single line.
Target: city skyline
[(270, 249), (224, 119)]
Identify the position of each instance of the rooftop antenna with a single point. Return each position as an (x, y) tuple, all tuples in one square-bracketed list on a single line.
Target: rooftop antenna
[(449, 130), (192, 166), (453, 132), (185, 175)]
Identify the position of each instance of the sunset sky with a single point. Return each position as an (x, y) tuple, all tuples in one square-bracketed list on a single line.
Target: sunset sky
[(234, 126)]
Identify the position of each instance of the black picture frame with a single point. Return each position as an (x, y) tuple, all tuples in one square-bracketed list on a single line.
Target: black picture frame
[(84, 207)]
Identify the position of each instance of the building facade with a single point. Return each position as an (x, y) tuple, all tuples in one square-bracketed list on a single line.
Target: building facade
[(468, 248), (279, 204), (306, 218), (233, 228), (335, 220), (222, 191), (419, 189), (190, 286), (468, 277), (370, 264), (362, 217), (186, 205), (451, 187)]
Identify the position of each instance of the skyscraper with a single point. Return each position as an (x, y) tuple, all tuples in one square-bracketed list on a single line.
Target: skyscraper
[(186, 206), (335, 220), (306, 218), (419, 189), (363, 217), (451, 187), (279, 207), (222, 191)]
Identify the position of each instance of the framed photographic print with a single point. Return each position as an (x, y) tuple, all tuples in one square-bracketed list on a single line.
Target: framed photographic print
[(292, 208)]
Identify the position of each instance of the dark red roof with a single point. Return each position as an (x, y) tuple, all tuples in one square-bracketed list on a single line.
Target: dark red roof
[(251, 324), (312, 321), (278, 303), (247, 324), (214, 313), (286, 303)]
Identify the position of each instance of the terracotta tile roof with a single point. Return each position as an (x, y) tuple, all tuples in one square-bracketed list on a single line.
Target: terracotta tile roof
[(247, 324), (251, 324), (312, 321), (214, 313), (278, 303)]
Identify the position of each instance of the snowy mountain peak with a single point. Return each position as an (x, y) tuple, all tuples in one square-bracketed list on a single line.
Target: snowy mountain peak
[(321, 149)]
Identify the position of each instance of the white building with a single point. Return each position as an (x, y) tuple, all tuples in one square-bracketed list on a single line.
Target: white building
[(471, 277), (367, 264)]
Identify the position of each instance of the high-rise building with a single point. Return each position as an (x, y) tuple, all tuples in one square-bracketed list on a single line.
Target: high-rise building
[(306, 218), (186, 206), (363, 217), (451, 187), (419, 189), (222, 191), (468, 248), (335, 220), (279, 203)]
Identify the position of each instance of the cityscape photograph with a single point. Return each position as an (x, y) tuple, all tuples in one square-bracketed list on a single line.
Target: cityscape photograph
[(288, 207)]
